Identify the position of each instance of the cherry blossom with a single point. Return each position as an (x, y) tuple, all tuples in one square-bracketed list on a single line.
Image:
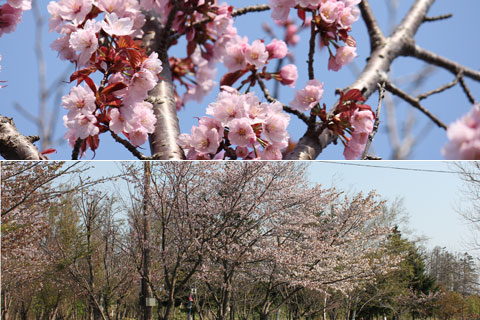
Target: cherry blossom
[(249, 123), (115, 26), (289, 75), (9, 18), (80, 100), (241, 132), (464, 137), (306, 98), (277, 49)]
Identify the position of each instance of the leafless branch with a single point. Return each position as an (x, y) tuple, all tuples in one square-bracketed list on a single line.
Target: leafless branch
[(414, 102), (440, 89), (381, 92), (129, 146), (436, 18)]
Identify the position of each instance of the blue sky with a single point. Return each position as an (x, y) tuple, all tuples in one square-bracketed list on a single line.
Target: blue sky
[(454, 38), (430, 199)]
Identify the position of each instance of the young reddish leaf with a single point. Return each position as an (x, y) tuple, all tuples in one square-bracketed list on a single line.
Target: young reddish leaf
[(301, 14), (93, 142), (350, 41), (354, 95), (81, 74), (230, 78), (91, 84), (135, 57), (48, 151), (113, 87)]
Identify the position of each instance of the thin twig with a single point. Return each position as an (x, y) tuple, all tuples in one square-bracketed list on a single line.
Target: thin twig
[(437, 60), (414, 102), (286, 108), (129, 147), (436, 18), (466, 90), (311, 52), (381, 92), (440, 89), (256, 8)]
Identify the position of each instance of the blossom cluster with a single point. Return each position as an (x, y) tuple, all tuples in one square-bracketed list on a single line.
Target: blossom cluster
[(241, 127), (106, 46), (351, 117), (218, 41), (333, 20), (464, 137), (11, 14)]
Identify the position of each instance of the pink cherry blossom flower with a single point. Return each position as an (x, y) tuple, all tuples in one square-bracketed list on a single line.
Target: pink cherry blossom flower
[(289, 75), (212, 123), (153, 64), (277, 49), (308, 3), (114, 26), (271, 153), (83, 124), (344, 56), (62, 45), (291, 36), (85, 41), (355, 146), (362, 121), (227, 107), (118, 122), (330, 10), (275, 129), (308, 97), (138, 137), (256, 54), (144, 116), (80, 100), (55, 21), (204, 140), (234, 58), (464, 137), (74, 10), (20, 4), (241, 132), (9, 18), (140, 83), (281, 8)]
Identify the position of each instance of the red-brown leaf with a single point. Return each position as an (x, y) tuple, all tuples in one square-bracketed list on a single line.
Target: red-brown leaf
[(230, 78), (113, 87)]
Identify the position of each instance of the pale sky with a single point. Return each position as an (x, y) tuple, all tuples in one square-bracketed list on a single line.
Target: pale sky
[(429, 198)]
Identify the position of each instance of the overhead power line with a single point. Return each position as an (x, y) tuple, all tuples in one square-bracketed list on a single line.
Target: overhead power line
[(393, 168)]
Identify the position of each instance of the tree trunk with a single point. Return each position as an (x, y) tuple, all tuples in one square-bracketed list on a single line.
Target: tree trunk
[(146, 290)]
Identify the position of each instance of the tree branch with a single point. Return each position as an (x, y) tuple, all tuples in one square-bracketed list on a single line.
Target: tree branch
[(381, 92), (318, 137), (414, 102), (14, 145), (437, 60), (375, 33)]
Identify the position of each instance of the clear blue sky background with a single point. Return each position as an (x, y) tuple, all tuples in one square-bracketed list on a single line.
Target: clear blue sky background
[(454, 38), (429, 199)]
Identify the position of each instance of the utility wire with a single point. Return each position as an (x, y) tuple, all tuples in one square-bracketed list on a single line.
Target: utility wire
[(395, 168)]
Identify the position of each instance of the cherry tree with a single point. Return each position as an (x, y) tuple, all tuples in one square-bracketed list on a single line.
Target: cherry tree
[(130, 84)]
